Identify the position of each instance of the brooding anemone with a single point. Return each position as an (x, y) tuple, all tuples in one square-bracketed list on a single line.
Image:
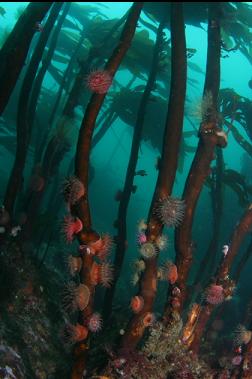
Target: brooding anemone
[(75, 333), (242, 335), (74, 264), (4, 216), (135, 279), (148, 250), (148, 319), (101, 274), (99, 81), (73, 190), (168, 271), (95, 322), (170, 211), (161, 242), (101, 246), (142, 226), (75, 298), (203, 108), (139, 265), (141, 238), (71, 227), (106, 274), (137, 303), (106, 246), (214, 294)]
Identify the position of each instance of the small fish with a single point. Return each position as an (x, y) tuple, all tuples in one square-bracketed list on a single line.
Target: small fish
[(134, 188), (86, 249), (158, 163), (250, 83), (190, 52), (118, 362), (225, 250), (238, 349), (141, 173), (2, 11), (15, 230), (153, 99), (116, 224), (39, 27), (118, 195), (213, 24)]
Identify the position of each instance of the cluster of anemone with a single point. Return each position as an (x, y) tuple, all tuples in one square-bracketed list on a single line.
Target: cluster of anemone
[(147, 248), (132, 364), (161, 241), (76, 297), (170, 211), (73, 190), (76, 333), (171, 358)]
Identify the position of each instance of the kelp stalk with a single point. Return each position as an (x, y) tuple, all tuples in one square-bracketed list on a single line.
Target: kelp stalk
[(55, 151), (130, 174), (209, 259), (210, 136), (246, 370), (167, 171), (15, 49), (23, 127), (67, 77), (222, 277), (46, 61), (85, 66), (241, 265), (82, 209)]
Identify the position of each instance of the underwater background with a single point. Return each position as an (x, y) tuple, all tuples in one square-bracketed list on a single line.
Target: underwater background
[(125, 168)]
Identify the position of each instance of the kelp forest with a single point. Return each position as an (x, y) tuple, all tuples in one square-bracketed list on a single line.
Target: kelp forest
[(126, 190)]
